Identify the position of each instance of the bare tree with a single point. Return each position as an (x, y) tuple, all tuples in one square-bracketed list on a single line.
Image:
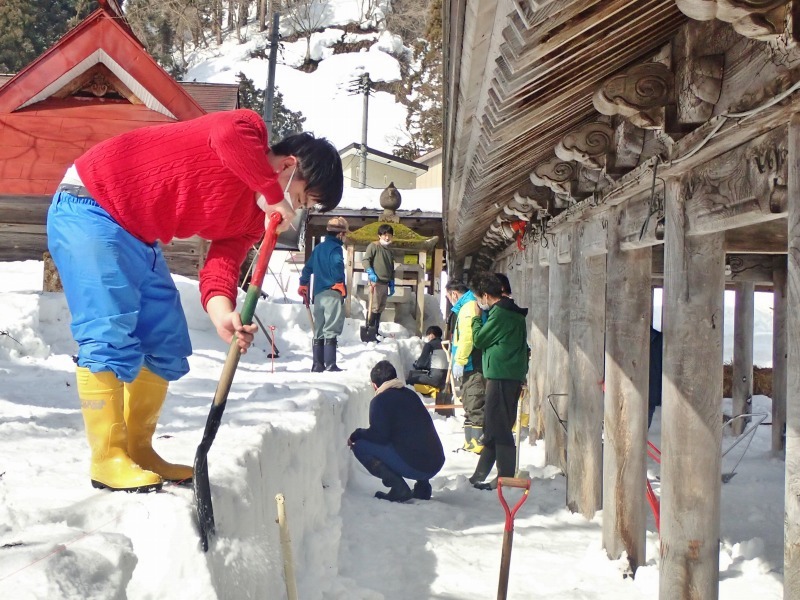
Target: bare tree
[(306, 17)]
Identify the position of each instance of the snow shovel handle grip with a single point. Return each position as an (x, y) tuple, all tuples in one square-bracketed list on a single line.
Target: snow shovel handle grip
[(516, 482)]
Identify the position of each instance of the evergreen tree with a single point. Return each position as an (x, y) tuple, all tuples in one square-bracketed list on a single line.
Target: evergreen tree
[(424, 119), (29, 28), (284, 120)]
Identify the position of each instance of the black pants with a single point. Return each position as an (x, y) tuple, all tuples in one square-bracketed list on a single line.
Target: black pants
[(434, 377), (500, 411)]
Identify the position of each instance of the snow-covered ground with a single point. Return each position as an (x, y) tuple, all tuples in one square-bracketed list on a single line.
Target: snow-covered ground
[(284, 431)]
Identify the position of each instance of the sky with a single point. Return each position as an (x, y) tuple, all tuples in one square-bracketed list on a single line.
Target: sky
[(284, 431)]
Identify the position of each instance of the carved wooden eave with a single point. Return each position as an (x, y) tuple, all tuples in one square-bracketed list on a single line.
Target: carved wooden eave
[(590, 101), (520, 76), (757, 19)]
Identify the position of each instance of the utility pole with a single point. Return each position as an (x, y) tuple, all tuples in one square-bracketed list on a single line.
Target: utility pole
[(273, 61), (363, 85)]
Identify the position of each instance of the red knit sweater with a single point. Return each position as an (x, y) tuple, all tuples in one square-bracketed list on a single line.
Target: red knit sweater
[(197, 177)]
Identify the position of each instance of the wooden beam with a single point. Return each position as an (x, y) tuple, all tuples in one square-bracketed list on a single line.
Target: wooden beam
[(538, 293), (742, 368), (557, 387), (744, 186), (791, 535), (628, 319), (779, 341), (692, 412), (586, 336)]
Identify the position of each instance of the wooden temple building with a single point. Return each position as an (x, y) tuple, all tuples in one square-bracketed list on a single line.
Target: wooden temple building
[(97, 81), (593, 150)]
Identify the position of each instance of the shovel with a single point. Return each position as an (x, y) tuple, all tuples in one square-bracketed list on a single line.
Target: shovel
[(369, 333), (202, 487), (508, 530), (445, 398)]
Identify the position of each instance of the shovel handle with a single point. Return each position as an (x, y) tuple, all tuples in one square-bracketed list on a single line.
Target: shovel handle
[(249, 308), (516, 482)]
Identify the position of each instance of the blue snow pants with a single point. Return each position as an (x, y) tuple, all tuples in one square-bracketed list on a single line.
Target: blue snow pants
[(126, 310), (365, 451)]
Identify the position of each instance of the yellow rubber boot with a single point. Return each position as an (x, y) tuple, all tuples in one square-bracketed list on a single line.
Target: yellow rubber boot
[(144, 397), (426, 390), (101, 396), (476, 441)]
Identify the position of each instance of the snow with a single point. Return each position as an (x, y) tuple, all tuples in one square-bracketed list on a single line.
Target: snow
[(331, 110), (284, 431)]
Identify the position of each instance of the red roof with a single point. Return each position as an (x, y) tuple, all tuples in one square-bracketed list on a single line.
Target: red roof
[(95, 82)]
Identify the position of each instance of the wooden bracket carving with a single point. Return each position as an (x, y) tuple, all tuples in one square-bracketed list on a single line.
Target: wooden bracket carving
[(638, 94), (699, 87), (756, 19), (587, 145), (555, 174)]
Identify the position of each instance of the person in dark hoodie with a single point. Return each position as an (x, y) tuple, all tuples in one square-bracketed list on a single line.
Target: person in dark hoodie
[(429, 371), (502, 340), (400, 441)]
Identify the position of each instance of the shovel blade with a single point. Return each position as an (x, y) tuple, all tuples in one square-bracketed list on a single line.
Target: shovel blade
[(369, 334), (200, 481)]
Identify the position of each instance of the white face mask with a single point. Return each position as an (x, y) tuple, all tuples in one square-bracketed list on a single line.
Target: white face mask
[(483, 306), (262, 202), (386, 242)]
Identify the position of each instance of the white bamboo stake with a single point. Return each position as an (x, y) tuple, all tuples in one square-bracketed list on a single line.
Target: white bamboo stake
[(286, 549)]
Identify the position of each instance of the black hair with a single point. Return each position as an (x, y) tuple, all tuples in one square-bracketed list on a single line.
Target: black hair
[(385, 229), (382, 372), (319, 165), (505, 284), (456, 286), (487, 283), (435, 330)]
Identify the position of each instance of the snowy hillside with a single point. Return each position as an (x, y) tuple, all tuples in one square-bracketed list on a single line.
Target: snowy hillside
[(322, 96)]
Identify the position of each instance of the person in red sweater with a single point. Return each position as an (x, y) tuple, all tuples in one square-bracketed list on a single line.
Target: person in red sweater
[(215, 177)]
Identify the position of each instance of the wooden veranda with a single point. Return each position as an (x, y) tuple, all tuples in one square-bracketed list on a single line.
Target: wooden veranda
[(595, 149)]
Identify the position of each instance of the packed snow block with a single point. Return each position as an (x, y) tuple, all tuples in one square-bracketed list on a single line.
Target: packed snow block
[(290, 442)]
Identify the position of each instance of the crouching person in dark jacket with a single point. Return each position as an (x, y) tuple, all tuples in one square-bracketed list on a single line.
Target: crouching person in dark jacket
[(401, 441)]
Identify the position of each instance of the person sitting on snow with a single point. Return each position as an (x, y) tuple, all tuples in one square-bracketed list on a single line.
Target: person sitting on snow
[(215, 176), (400, 441), (430, 369)]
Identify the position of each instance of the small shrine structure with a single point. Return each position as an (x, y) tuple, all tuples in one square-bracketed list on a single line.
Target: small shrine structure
[(417, 264)]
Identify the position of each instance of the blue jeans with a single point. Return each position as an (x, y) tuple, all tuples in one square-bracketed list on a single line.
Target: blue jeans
[(126, 311), (365, 451)]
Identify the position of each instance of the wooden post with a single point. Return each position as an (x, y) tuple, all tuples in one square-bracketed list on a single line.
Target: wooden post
[(420, 300), (628, 319), (348, 265), (791, 537), (694, 277), (742, 368), (51, 280), (557, 388), (537, 302), (436, 278), (586, 345), (779, 342)]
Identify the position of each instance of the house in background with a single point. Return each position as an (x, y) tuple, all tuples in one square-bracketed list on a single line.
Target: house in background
[(432, 178), (382, 169)]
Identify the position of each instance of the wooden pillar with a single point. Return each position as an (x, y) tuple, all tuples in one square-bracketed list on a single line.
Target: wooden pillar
[(436, 278), (779, 341), (350, 256), (538, 304), (791, 537), (557, 387), (420, 300), (742, 368), (694, 277), (628, 318), (586, 355)]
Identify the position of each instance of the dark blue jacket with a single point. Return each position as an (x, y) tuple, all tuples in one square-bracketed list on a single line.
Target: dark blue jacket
[(398, 417), (327, 265)]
